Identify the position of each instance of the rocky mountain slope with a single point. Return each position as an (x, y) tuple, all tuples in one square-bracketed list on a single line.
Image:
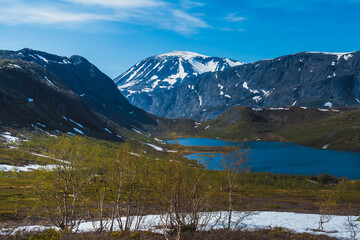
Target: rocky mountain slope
[(50, 92), (309, 79), (164, 72)]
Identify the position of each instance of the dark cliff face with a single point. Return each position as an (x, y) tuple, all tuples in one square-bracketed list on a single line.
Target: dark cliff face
[(52, 93), (32, 97), (303, 79), (95, 89)]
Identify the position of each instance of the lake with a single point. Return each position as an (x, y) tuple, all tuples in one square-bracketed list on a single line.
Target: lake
[(281, 157)]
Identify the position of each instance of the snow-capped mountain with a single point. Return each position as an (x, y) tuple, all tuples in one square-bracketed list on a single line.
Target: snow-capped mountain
[(166, 71), (307, 79)]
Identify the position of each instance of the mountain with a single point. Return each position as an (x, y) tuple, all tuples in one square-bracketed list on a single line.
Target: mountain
[(309, 79), (165, 72), (41, 89)]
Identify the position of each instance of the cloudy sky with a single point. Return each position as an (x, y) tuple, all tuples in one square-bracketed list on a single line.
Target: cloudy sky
[(115, 34)]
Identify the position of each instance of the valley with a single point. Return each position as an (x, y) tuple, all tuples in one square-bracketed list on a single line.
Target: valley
[(62, 117)]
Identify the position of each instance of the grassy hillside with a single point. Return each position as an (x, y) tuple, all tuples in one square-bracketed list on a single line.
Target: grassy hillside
[(310, 127), (20, 202)]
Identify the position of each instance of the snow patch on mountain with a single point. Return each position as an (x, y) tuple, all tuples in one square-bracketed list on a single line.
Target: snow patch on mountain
[(181, 54)]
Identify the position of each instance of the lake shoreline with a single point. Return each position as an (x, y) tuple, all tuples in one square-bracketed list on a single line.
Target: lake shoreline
[(277, 157)]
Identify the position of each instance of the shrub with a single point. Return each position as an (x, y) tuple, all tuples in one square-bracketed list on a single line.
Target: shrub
[(49, 234)]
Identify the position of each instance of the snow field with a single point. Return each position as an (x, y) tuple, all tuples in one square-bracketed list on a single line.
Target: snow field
[(297, 222)]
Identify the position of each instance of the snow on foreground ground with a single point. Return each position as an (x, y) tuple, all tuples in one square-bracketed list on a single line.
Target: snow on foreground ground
[(26, 168), (297, 222)]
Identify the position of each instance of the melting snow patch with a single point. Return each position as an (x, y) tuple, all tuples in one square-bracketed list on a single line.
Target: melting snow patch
[(199, 67), (347, 57), (42, 125), (294, 103), (257, 98), (199, 97), (280, 108), (233, 63), (157, 148), (8, 138), (171, 151), (135, 154), (323, 110), (328, 104), (297, 222), (30, 100), (331, 76), (221, 93), (78, 130), (14, 65), (303, 107), (27, 168), (207, 127), (245, 85), (256, 109), (266, 93), (135, 130), (357, 100), (254, 91), (326, 146), (228, 96), (78, 124), (42, 58), (108, 130), (154, 84)]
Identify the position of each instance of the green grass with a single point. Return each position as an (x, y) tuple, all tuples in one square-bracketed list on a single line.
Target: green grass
[(255, 191)]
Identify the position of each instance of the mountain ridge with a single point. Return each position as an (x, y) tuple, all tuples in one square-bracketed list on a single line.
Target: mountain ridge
[(309, 79), (166, 71), (95, 107)]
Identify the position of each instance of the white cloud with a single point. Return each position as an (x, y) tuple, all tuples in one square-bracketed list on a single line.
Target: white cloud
[(27, 14), (119, 3), (233, 18), (186, 23), (227, 29), (153, 13), (187, 4)]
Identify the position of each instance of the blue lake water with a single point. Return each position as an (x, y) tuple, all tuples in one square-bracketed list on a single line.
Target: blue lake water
[(280, 157)]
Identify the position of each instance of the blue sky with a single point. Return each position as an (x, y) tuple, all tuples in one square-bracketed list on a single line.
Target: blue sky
[(115, 34)]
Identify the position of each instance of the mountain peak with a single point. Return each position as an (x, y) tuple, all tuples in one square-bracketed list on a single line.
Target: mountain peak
[(166, 71), (181, 54)]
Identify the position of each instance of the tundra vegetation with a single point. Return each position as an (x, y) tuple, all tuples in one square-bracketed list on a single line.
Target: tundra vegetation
[(116, 185)]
